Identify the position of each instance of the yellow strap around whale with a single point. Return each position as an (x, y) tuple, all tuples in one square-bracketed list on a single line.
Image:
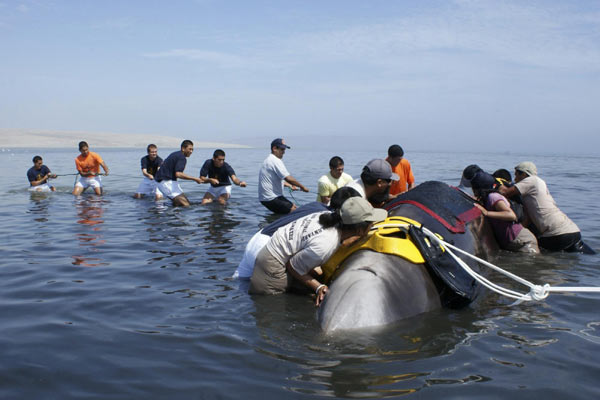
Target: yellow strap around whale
[(389, 236)]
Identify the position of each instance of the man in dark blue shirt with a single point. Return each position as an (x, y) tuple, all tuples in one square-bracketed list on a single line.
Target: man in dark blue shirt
[(171, 170), (217, 172), (38, 176), (150, 165)]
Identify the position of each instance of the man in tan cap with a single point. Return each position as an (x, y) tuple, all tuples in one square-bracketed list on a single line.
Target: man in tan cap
[(555, 231)]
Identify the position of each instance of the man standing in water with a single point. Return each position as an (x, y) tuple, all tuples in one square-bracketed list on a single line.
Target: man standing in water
[(401, 167), (38, 176), (150, 165), (171, 170), (217, 172), (88, 165), (273, 176)]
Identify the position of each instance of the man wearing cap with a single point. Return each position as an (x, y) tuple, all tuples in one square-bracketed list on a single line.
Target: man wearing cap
[(375, 181), (298, 248), (556, 232), (401, 167), (273, 176)]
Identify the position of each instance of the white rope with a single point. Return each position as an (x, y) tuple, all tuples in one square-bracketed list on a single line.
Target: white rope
[(536, 292)]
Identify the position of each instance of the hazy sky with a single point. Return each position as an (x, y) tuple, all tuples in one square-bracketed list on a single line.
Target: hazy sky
[(478, 75)]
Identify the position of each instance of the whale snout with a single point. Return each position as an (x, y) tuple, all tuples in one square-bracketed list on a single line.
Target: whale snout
[(376, 289)]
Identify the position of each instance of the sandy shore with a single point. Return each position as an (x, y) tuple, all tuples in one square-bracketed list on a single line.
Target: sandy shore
[(13, 138)]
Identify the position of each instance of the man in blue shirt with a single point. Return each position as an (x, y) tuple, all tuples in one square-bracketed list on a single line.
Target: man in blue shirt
[(217, 172), (150, 165), (38, 176), (171, 170)]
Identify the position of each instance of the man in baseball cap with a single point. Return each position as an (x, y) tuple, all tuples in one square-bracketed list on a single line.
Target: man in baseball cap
[(273, 176), (374, 182)]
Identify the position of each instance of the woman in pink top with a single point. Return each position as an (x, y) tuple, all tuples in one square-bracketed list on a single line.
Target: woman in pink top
[(510, 234)]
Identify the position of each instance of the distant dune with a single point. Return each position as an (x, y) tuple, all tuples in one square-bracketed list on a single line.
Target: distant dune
[(12, 138)]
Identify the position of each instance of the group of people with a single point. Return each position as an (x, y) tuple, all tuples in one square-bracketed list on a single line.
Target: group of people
[(380, 180), (288, 253), (523, 213), (159, 177)]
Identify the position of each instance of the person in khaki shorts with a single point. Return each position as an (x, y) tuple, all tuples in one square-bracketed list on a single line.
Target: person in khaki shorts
[(298, 248)]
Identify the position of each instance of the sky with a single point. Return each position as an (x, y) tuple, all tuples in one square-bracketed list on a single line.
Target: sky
[(442, 75)]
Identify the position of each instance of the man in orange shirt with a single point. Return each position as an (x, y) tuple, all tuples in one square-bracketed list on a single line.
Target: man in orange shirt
[(88, 165), (401, 167)]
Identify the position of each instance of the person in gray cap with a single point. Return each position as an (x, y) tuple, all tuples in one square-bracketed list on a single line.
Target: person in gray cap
[(555, 231), (298, 248), (375, 181), (273, 176)]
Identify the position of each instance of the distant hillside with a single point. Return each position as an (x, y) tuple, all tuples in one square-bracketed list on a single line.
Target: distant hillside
[(12, 138)]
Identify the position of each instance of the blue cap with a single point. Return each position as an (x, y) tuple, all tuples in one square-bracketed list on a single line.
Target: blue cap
[(279, 143)]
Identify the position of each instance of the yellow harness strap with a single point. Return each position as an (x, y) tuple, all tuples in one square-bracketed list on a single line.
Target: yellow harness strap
[(389, 236)]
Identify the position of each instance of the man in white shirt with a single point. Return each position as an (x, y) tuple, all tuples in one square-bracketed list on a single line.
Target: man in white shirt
[(273, 176), (556, 232), (332, 181)]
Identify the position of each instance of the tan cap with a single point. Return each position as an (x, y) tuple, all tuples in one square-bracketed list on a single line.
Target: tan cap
[(527, 167), (356, 210)]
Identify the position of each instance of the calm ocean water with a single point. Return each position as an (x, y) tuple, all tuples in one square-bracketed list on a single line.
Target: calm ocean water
[(119, 298)]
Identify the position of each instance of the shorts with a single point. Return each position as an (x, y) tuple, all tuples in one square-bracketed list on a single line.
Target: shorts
[(89, 181), (564, 242), (219, 191), (525, 242), (41, 188), (279, 205), (170, 189), (148, 187), (269, 276), (254, 246)]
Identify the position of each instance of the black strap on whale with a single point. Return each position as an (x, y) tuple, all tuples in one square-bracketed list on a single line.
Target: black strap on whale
[(455, 286)]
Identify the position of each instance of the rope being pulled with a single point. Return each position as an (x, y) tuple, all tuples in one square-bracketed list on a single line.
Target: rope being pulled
[(536, 292)]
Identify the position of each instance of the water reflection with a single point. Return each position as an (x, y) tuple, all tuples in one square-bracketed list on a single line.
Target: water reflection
[(217, 227), (89, 234), (370, 363), (39, 206)]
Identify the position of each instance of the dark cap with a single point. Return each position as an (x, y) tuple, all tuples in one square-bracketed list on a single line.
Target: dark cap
[(483, 180), (380, 169), (469, 173), (279, 143)]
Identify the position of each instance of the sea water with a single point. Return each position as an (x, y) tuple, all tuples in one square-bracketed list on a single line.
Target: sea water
[(112, 297)]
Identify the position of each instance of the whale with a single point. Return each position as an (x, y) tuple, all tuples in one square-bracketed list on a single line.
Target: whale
[(377, 285)]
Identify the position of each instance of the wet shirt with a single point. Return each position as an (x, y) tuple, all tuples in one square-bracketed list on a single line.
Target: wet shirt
[(174, 163), (37, 174), (88, 164), (151, 166), (304, 243), (542, 210), (222, 174)]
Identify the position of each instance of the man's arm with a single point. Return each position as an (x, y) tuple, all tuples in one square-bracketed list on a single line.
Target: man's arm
[(104, 167), (238, 182), (205, 179), (293, 181), (508, 191), (181, 175)]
